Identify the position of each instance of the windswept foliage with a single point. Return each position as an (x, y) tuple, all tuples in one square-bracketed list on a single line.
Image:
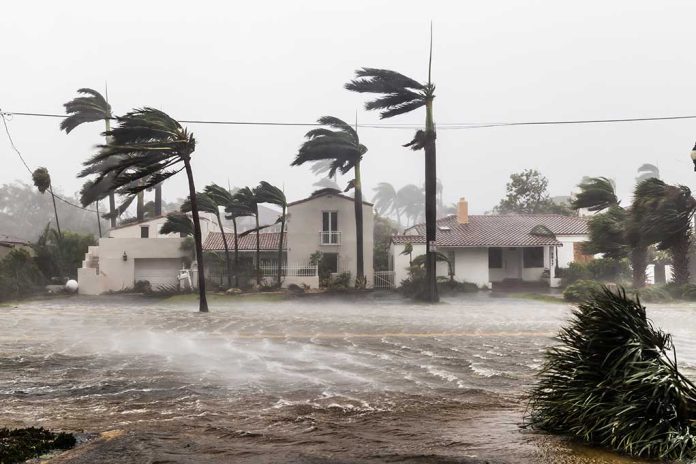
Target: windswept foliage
[(613, 381), (596, 194), (177, 223), (90, 107), (267, 193)]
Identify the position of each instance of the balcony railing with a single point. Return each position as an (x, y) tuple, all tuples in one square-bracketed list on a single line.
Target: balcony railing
[(329, 238)]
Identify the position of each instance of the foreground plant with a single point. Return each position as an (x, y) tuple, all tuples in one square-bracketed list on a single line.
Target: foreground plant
[(613, 381)]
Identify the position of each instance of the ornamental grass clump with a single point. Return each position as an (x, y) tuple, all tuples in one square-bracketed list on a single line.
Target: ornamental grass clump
[(613, 381)]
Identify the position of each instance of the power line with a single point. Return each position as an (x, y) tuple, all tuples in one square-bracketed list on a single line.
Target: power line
[(14, 147), (462, 125)]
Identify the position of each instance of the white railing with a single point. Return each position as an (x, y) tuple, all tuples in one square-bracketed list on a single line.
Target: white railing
[(292, 270), (330, 238), (384, 279)]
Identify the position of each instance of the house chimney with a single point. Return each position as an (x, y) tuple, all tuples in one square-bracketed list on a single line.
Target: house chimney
[(463, 211)]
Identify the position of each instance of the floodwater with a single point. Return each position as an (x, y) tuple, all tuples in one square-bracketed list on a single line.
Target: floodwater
[(309, 380)]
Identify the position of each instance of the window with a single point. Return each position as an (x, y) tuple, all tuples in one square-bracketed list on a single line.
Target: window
[(533, 257), (495, 258), (144, 231), (329, 228)]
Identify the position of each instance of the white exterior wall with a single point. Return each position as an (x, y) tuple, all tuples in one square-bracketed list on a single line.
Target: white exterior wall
[(470, 265), (116, 274), (401, 262), (565, 252), (305, 224), (208, 224)]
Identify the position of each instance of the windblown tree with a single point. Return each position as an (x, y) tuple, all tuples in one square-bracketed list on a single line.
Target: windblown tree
[(145, 149), (247, 199), (87, 185), (386, 200), (92, 106), (400, 95), (207, 204), (411, 201), (613, 381), (527, 193), (42, 181), (666, 213), (267, 193), (615, 231), (233, 210), (178, 223), (339, 143)]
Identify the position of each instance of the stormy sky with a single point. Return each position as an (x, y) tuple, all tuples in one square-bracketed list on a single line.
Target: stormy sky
[(494, 61)]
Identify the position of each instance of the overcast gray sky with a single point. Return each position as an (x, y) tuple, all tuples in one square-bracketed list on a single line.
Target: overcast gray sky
[(287, 61)]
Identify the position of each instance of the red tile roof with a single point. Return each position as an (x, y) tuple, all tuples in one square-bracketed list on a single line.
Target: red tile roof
[(497, 230), (267, 241)]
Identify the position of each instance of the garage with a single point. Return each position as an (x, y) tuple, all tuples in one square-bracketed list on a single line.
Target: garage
[(158, 271)]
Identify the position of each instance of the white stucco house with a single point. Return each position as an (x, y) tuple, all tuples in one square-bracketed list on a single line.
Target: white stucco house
[(324, 221), (489, 249), (136, 252)]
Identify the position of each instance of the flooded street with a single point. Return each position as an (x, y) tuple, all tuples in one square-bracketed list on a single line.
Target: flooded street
[(374, 379)]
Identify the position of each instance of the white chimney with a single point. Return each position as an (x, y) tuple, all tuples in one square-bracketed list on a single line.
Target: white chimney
[(463, 211)]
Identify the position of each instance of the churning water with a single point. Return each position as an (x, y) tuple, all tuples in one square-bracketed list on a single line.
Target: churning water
[(310, 380)]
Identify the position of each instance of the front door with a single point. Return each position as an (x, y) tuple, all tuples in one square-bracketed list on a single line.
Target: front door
[(512, 261)]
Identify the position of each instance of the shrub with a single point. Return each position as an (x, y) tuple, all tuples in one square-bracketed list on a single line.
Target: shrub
[(601, 269), (453, 286), (19, 445), (652, 294), (581, 290), (342, 280), (142, 286), (684, 292), (414, 285), (614, 382), (19, 276)]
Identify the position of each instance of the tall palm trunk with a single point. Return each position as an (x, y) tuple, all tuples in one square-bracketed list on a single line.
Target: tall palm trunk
[(430, 205), (55, 210), (98, 219), (197, 237), (112, 196), (227, 252), (236, 253), (140, 206), (258, 250), (639, 262), (280, 249), (158, 201), (360, 260), (680, 261)]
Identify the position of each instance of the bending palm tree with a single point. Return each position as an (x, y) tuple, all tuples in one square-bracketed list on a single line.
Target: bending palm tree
[(666, 212), (246, 197), (616, 232), (146, 148), (343, 148), (401, 95), (207, 204), (267, 193), (386, 200), (42, 181)]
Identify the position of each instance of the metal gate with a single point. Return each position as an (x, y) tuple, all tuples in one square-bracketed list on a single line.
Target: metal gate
[(384, 279)]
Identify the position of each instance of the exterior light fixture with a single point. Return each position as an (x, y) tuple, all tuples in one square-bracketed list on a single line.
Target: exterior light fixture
[(693, 156), (125, 256)]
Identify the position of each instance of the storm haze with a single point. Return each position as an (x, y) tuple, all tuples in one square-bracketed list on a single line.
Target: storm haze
[(287, 62)]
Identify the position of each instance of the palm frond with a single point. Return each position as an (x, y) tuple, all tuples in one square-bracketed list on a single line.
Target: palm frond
[(90, 108), (203, 202), (596, 194), (613, 381), (267, 193), (177, 223)]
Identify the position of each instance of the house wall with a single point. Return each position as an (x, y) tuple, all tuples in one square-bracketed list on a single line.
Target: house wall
[(115, 273), (305, 224), (208, 223), (401, 262), (470, 265), (565, 252)]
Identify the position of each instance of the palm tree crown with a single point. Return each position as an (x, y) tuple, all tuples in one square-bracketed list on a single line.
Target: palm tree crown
[(401, 94), (596, 194), (89, 108)]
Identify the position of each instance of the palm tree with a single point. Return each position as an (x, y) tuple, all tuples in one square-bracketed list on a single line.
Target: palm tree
[(42, 181), (386, 200), (267, 193), (343, 148), (91, 107), (411, 201), (408, 250), (233, 209), (401, 95), (146, 148), (246, 197), (96, 203), (616, 231), (666, 213), (207, 204), (178, 223)]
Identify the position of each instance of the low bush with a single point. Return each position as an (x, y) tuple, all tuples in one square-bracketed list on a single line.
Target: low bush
[(454, 286), (601, 269), (652, 294), (581, 290), (340, 281), (19, 445), (614, 382), (682, 292)]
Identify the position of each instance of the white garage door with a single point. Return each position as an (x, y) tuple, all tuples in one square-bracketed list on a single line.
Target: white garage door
[(158, 271)]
